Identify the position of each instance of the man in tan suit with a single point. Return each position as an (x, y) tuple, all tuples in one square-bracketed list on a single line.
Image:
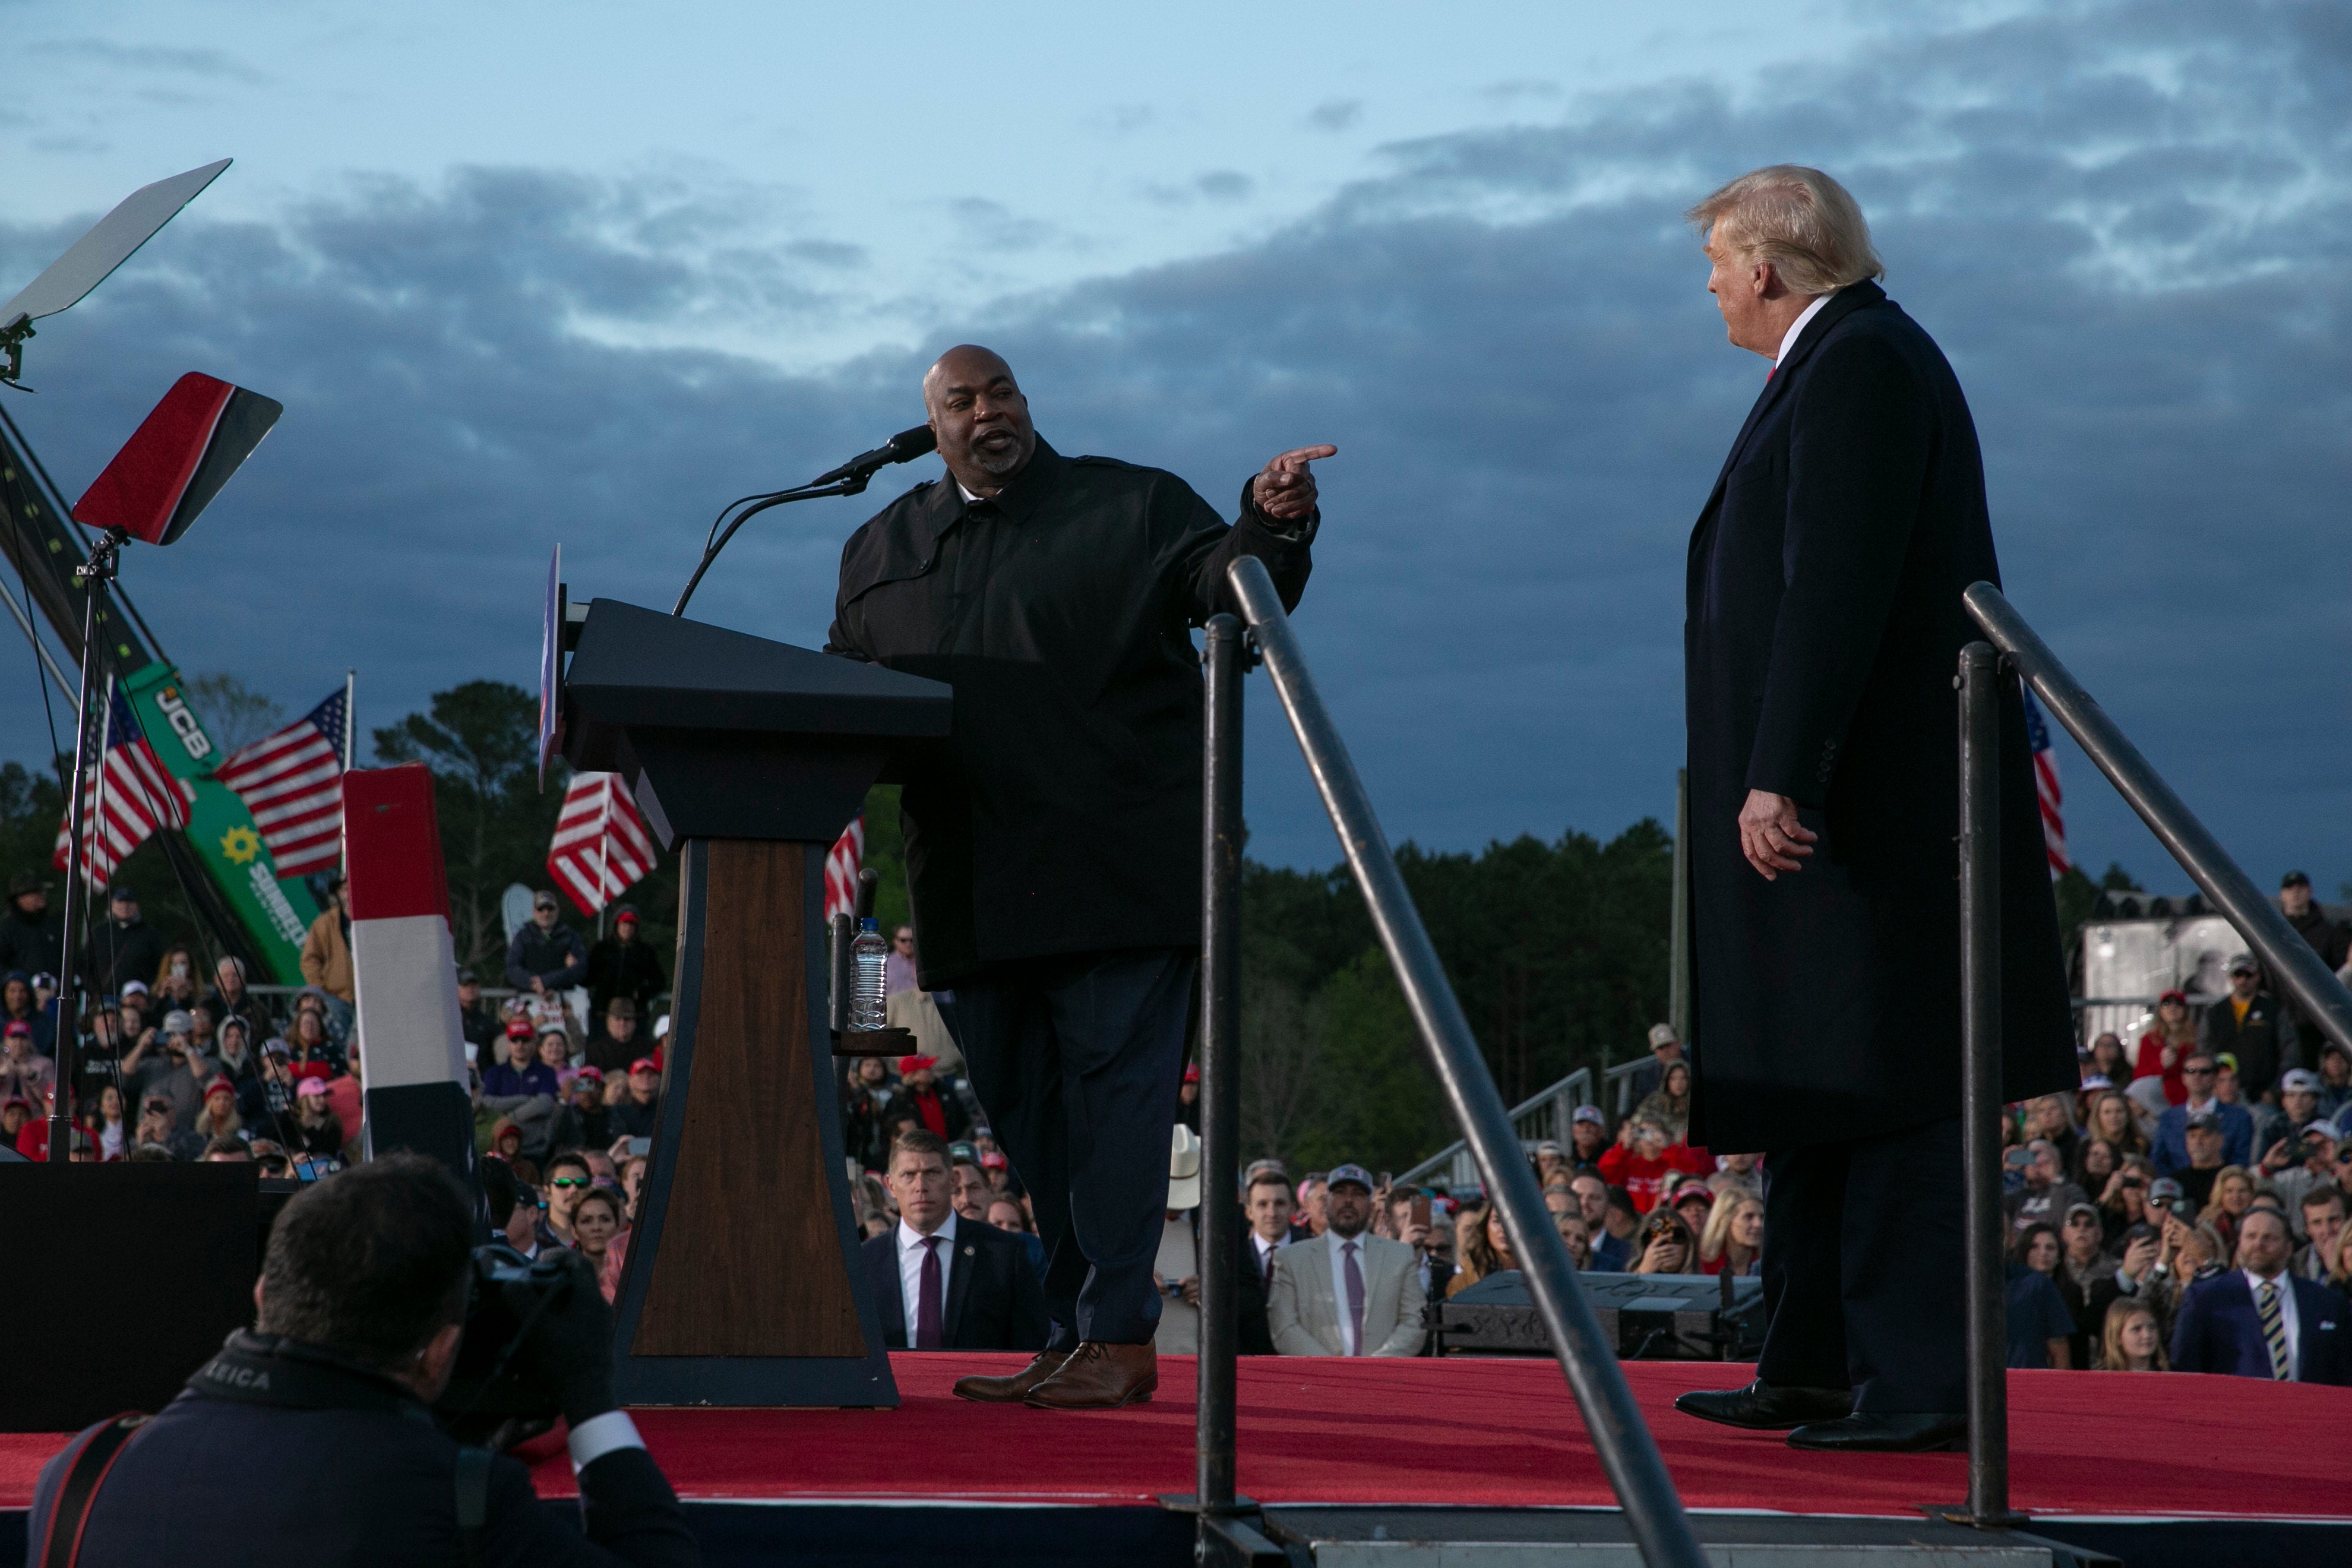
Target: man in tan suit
[(1347, 1292)]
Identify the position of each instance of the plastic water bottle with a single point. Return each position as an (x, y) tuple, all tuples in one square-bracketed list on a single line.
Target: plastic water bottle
[(868, 1008)]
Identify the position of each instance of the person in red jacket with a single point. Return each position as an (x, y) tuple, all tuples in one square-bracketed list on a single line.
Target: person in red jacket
[(2164, 1047), (1642, 1159)]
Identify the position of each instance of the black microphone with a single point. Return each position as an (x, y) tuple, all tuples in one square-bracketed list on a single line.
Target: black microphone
[(904, 447)]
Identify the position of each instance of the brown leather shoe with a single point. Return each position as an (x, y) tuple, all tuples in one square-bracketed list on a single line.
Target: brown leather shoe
[(1100, 1377), (1014, 1389)]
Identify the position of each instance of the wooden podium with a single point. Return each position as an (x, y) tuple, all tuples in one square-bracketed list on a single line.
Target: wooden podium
[(744, 1284)]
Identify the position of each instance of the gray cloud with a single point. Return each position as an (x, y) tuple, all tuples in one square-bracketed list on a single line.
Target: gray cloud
[(213, 64), (1337, 114), (2123, 223)]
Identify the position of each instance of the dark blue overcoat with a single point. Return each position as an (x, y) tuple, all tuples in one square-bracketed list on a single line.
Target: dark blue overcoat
[(1823, 634)]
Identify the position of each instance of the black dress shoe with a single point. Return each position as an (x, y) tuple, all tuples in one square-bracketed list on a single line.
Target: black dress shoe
[(1864, 1433), (1761, 1407)]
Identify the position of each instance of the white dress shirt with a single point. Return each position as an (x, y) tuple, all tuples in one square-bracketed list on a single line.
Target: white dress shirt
[(2288, 1321), (1349, 1326), (1789, 338), (911, 1271)]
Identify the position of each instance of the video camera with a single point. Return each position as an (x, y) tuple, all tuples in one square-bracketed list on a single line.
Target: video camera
[(499, 1396)]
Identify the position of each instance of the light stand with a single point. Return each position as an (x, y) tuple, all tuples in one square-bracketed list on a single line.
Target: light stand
[(94, 575)]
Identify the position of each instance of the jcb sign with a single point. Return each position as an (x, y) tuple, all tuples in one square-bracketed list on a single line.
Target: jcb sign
[(183, 724)]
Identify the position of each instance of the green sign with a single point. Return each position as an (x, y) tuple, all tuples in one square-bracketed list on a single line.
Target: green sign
[(276, 911)]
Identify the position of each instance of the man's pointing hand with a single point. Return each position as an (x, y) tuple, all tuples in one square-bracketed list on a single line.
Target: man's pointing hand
[(1285, 489)]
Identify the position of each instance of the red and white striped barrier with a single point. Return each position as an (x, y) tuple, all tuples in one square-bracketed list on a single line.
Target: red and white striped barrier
[(404, 966)]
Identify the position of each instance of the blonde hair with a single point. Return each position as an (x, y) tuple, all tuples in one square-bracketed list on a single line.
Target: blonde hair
[(1799, 219), (1719, 1221), (2120, 1313)]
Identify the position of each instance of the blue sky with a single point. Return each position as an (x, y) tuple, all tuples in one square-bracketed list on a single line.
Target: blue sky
[(583, 273)]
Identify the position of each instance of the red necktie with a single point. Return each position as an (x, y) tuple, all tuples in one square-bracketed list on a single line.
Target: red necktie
[(927, 1299)]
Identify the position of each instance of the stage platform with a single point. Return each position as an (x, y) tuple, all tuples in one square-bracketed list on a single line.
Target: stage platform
[(1378, 1460)]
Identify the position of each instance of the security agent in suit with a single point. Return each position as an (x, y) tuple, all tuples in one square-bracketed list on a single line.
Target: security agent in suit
[(2223, 1325), (1825, 628), (362, 1304), (945, 1284), (1348, 1292)]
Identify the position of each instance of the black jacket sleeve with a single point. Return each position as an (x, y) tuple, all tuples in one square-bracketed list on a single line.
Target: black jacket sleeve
[(1207, 547), (1858, 454), (631, 1515)]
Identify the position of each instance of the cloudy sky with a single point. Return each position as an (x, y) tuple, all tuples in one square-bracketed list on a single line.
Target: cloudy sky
[(537, 273)]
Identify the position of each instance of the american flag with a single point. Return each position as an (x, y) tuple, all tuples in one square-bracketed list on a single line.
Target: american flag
[(2046, 786), (601, 844), (130, 794), (841, 866), (292, 782)]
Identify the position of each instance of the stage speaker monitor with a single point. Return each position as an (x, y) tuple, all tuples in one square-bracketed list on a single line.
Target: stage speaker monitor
[(744, 1284), (123, 1280), (1648, 1317)]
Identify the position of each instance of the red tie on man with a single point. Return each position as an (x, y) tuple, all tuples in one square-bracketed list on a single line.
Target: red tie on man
[(927, 1299)]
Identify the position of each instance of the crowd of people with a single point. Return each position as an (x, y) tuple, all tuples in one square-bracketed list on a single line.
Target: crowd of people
[(2184, 1207), (182, 1060), (2202, 1152)]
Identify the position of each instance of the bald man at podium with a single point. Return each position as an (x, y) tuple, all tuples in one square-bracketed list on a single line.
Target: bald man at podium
[(1053, 840)]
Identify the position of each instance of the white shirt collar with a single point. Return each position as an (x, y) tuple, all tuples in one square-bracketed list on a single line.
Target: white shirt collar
[(968, 497), (911, 1240), (1789, 339)]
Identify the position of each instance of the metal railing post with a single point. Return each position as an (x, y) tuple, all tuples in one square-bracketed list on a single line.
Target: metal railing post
[(1621, 1439), (2286, 958), (1221, 1017), (1981, 1101)]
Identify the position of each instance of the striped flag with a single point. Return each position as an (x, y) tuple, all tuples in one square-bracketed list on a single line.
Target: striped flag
[(2046, 786), (841, 866), (130, 794), (601, 844), (292, 782)]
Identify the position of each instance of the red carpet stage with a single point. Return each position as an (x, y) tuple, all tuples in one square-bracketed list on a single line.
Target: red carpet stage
[(1461, 1433)]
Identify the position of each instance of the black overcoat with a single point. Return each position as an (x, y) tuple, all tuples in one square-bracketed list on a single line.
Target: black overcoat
[(1063, 815), (1824, 631)]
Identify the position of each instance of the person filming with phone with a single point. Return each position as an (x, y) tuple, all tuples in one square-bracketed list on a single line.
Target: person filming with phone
[(311, 1437)]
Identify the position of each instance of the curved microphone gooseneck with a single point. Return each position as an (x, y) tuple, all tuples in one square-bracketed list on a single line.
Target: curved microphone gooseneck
[(845, 480)]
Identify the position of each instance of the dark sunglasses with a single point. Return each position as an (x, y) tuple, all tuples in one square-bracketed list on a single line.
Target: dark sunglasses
[(2198, 1072), (572, 1182)]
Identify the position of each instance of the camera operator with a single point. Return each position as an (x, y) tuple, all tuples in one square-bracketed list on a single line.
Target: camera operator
[(362, 1301)]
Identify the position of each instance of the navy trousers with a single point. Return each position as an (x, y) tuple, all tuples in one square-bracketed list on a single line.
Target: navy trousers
[(1077, 1061), (1864, 1274)]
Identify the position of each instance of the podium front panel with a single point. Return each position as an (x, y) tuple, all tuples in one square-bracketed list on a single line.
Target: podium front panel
[(744, 1284)]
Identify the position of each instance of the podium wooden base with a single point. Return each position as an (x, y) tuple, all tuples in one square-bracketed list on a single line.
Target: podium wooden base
[(744, 1284)]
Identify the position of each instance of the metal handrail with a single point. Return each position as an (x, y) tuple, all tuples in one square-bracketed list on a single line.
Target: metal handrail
[(1980, 1079), (1628, 1454), (2286, 956), (1560, 1100), (1622, 1075)]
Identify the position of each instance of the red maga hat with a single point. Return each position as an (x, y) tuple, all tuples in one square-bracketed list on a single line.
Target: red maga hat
[(644, 1064), (915, 1063)]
